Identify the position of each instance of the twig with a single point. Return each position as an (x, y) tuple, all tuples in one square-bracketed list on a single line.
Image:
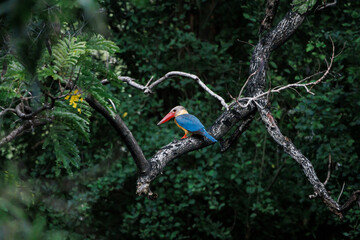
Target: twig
[(342, 190), (300, 83), (152, 77), (325, 5), (148, 88), (242, 89), (245, 42), (329, 172), (277, 174), (112, 104)]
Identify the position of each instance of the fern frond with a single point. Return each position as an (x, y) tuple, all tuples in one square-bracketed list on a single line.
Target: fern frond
[(78, 123), (65, 148), (99, 43), (16, 71), (66, 54)]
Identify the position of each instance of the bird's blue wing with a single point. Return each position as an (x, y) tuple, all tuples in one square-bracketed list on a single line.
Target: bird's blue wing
[(207, 135), (189, 122)]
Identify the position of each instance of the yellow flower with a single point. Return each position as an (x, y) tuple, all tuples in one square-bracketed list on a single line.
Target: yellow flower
[(73, 98), (124, 114)]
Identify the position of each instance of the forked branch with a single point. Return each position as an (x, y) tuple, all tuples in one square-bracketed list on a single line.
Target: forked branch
[(148, 87), (318, 186), (302, 83)]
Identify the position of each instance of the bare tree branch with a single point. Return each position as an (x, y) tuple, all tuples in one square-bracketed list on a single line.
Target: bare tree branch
[(289, 148), (236, 113), (124, 132), (355, 198), (178, 148), (341, 192), (148, 87), (28, 124), (300, 83), (244, 125), (6, 110), (195, 78)]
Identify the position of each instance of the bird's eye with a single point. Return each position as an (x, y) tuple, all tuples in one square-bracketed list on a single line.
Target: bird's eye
[(174, 110)]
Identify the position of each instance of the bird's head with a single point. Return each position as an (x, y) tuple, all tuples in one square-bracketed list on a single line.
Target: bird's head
[(176, 111)]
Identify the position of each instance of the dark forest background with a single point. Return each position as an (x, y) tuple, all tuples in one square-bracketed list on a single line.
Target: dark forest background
[(79, 181)]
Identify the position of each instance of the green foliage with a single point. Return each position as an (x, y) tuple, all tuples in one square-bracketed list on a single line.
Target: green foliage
[(303, 6), (71, 62)]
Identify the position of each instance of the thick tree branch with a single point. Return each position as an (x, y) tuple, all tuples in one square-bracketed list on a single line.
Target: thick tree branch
[(355, 198), (236, 113), (124, 132), (271, 9), (244, 125), (289, 148), (178, 148)]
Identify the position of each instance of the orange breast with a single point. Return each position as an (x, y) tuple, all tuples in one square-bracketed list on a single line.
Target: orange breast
[(186, 131)]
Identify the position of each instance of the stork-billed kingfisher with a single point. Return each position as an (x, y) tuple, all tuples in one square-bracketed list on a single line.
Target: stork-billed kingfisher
[(187, 122)]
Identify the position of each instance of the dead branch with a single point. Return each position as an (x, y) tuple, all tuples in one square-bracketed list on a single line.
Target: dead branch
[(300, 83), (289, 148), (236, 113), (148, 87), (355, 198), (341, 192)]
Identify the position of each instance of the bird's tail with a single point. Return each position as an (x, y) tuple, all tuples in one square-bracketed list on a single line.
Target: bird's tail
[(207, 135)]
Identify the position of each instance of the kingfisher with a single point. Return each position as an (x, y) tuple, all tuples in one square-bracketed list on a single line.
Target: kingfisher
[(187, 122)]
